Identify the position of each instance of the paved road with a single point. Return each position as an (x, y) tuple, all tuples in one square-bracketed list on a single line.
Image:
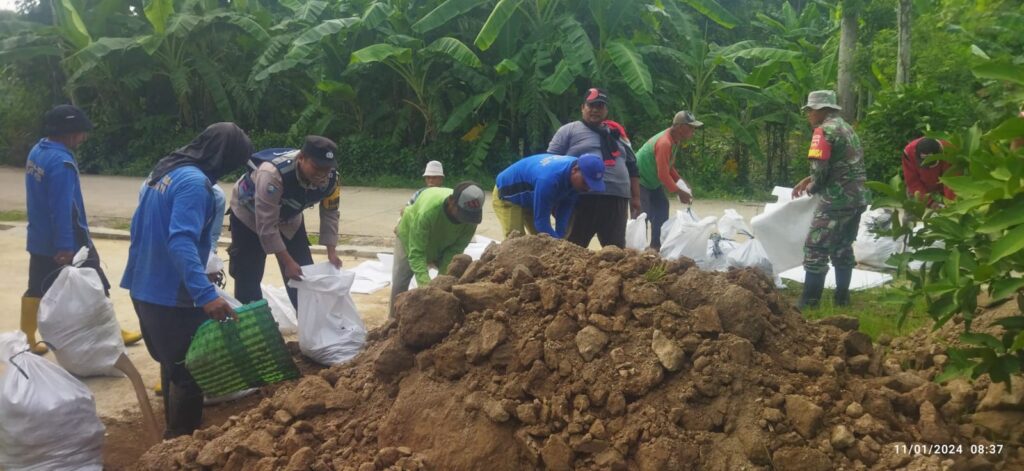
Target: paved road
[(369, 212)]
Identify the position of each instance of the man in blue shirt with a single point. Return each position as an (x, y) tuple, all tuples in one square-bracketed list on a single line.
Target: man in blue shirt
[(529, 191), (166, 272), (57, 226)]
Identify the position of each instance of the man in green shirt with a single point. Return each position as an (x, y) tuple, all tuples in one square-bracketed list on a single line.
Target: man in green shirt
[(654, 162), (435, 228)]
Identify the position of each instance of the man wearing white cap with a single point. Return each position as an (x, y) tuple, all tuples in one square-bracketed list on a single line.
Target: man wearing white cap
[(433, 177), (436, 227), (837, 174)]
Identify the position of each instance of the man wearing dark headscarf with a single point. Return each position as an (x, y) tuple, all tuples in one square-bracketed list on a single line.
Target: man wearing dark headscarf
[(166, 272)]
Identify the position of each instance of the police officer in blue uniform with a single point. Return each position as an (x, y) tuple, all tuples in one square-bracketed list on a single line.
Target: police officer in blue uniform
[(266, 213)]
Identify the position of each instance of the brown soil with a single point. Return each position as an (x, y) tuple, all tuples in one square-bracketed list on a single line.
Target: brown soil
[(544, 355)]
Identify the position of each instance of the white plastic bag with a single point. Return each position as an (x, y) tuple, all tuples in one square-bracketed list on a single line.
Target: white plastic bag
[(686, 238), (715, 259), (636, 232), (873, 250), (751, 254), (214, 264), (731, 224), (330, 329), (684, 187), (281, 308), (783, 228), (48, 418), (234, 303), (77, 318)]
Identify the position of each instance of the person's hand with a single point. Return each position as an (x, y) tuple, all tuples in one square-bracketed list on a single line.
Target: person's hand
[(803, 187), (634, 206), (63, 257), (219, 310), (332, 256), (684, 197), (292, 270)]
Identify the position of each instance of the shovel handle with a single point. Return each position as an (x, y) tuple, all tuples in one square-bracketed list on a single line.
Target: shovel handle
[(126, 366)]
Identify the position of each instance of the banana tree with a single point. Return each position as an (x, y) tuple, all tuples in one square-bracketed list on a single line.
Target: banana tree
[(413, 63)]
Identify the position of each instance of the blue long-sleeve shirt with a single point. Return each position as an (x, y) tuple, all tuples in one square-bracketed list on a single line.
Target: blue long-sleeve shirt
[(541, 182), (56, 210), (171, 241), (220, 206)]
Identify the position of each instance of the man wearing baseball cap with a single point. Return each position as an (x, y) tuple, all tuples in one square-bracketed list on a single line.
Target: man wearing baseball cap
[(603, 213), (658, 175), (837, 175), (57, 223), (529, 191), (436, 227), (266, 213)]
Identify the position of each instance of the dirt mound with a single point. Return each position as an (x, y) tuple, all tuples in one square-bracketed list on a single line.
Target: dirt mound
[(543, 355)]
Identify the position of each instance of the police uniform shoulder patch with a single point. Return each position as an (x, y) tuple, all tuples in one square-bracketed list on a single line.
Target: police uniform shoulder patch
[(820, 147)]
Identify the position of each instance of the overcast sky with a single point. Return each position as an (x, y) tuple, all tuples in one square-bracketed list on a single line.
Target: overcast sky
[(6, 4)]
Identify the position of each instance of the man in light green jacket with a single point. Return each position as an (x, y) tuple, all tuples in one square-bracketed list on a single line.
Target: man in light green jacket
[(435, 228)]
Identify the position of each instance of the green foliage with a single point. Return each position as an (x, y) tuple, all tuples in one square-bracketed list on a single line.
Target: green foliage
[(973, 244), (899, 117), (656, 272)]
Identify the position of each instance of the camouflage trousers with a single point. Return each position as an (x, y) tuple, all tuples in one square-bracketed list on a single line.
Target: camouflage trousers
[(832, 236)]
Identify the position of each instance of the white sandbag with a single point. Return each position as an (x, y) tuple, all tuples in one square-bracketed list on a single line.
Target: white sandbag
[(330, 329), (281, 308), (686, 238), (859, 279), (871, 249), (783, 230), (234, 303), (636, 232), (731, 224), (48, 418), (372, 275), (77, 319), (715, 258), (477, 246), (751, 254), (214, 264)]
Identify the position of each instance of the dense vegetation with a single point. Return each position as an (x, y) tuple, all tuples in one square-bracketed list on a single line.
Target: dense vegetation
[(479, 83)]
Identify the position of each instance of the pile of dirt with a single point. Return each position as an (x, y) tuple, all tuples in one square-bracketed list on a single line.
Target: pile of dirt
[(544, 355)]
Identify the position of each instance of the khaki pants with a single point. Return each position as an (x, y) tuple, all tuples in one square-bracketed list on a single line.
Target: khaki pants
[(512, 216)]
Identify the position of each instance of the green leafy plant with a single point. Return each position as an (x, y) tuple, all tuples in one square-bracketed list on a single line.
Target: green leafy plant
[(972, 245)]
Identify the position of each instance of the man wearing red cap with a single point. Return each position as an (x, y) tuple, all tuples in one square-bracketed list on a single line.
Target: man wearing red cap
[(601, 213)]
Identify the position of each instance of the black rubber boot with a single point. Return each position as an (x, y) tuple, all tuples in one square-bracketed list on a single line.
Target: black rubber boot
[(842, 294), (814, 283)]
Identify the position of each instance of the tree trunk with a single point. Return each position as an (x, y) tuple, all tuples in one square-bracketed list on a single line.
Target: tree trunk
[(903, 55), (847, 47)]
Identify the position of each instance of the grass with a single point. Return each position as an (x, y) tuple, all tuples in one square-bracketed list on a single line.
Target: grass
[(876, 317), (314, 239), (13, 215)]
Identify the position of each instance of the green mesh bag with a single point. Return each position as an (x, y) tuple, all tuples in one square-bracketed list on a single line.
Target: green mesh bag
[(227, 357)]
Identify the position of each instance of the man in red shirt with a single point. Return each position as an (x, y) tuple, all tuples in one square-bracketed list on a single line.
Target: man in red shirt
[(923, 178)]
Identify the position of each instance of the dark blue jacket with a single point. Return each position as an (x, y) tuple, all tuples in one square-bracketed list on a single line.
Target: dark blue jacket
[(541, 183), (171, 241), (56, 211)]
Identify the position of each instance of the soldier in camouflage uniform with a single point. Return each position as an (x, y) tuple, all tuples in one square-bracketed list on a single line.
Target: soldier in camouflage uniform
[(837, 174)]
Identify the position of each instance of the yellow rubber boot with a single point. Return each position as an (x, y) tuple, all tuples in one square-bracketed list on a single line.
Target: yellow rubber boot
[(129, 337), (30, 322)]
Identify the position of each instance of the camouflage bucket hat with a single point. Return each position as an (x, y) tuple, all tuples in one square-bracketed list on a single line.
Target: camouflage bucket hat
[(819, 99)]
